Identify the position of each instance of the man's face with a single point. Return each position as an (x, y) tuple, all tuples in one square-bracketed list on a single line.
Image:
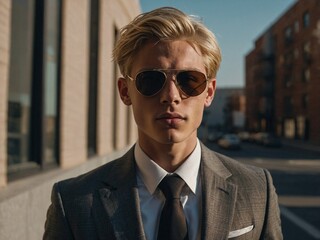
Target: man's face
[(167, 117)]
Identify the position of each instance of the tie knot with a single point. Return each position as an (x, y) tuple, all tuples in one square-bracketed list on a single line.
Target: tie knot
[(171, 186)]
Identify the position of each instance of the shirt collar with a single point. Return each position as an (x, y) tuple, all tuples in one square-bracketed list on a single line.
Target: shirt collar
[(152, 174)]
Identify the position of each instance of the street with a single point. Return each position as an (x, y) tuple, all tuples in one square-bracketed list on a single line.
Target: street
[(296, 176)]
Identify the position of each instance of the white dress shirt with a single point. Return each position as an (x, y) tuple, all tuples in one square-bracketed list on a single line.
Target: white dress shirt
[(150, 174)]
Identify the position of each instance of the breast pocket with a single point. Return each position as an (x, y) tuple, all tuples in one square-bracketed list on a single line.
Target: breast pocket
[(242, 233)]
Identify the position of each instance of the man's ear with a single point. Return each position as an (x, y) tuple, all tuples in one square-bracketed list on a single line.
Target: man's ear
[(210, 92), (124, 91)]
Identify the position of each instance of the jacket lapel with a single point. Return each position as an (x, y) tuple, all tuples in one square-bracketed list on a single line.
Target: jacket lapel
[(120, 202), (117, 202), (219, 197)]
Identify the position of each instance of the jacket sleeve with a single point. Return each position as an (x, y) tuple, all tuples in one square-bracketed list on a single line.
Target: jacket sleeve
[(272, 224), (56, 226)]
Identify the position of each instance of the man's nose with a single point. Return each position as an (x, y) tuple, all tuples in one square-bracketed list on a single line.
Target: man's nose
[(170, 92)]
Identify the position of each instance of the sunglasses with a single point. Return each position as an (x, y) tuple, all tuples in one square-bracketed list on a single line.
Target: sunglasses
[(189, 82)]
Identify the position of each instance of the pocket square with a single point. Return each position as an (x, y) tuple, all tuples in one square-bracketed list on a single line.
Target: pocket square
[(240, 232)]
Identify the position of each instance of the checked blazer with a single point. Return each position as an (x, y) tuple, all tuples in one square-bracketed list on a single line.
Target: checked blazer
[(238, 202)]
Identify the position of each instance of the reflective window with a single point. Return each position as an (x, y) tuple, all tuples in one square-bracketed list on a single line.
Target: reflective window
[(93, 77), (51, 55), (115, 95), (306, 19), (307, 52), (33, 85), (306, 75), (20, 83), (296, 26), (288, 34), (305, 101)]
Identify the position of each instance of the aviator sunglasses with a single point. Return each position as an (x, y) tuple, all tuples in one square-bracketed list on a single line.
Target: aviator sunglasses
[(190, 82)]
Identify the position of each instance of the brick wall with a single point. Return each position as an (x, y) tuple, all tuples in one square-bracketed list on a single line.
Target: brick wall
[(5, 9), (74, 82), (110, 24), (23, 203)]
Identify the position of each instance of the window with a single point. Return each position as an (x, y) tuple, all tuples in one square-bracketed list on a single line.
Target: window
[(296, 53), (306, 75), (288, 35), (93, 78), (33, 86), (306, 19), (51, 74), (288, 59), (301, 126), (296, 26), (115, 96), (20, 79), (289, 128), (288, 79), (306, 47), (281, 59), (305, 101), (288, 105), (307, 52)]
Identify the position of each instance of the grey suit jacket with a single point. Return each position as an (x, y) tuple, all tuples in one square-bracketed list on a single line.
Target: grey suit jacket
[(239, 202)]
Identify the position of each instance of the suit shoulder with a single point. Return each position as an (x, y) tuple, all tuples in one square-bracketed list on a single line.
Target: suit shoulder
[(245, 173), (233, 164), (238, 170), (93, 179)]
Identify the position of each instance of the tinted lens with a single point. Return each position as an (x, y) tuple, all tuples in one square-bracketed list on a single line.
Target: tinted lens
[(149, 83), (192, 83)]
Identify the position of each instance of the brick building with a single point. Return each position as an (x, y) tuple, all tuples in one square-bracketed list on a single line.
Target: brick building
[(283, 75), (60, 114), (225, 114)]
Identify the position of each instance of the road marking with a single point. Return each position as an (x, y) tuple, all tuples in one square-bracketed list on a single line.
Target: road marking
[(305, 162), (299, 201), (307, 227), (312, 166), (259, 160)]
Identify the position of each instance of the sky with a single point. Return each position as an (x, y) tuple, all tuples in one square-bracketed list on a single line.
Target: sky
[(236, 24)]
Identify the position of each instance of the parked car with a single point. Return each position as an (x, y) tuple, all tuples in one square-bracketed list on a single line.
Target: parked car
[(266, 139), (270, 140), (214, 136), (244, 136), (256, 137), (229, 141)]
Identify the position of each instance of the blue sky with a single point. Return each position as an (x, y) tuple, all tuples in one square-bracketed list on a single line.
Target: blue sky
[(236, 24)]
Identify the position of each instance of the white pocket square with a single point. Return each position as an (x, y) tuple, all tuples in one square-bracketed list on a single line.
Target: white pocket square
[(240, 232)]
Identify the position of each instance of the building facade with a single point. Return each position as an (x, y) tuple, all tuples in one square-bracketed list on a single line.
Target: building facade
[(283, 75), (60, 113), (225, 114)]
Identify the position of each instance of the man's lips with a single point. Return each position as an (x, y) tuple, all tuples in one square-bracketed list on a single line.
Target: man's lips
[(170, 118)]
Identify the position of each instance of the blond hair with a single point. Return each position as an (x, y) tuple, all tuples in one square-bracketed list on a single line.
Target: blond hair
[(166, 24)]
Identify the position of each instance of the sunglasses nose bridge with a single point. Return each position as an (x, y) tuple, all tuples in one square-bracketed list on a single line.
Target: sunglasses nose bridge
[(171, 76), (169, 90)]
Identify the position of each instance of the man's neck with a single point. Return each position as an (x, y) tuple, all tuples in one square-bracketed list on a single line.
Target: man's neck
[(169, 156)]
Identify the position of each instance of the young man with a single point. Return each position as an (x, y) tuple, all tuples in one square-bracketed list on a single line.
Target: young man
[(169, 62)]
